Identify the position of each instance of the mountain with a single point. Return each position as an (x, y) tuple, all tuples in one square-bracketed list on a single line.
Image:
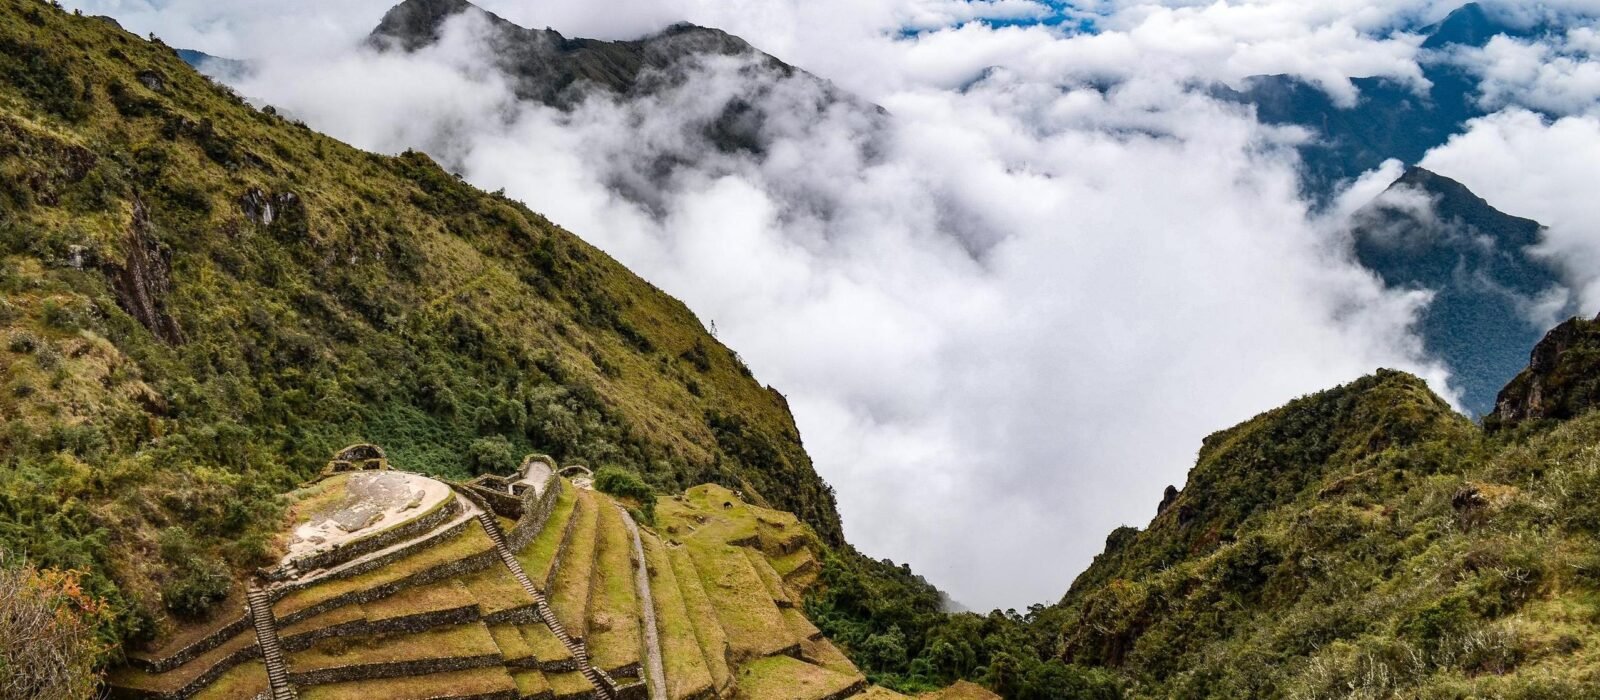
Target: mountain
[(1390, 119), (1562, 380), (214, 66), (1366, 542), (1491, 295), (548, 68), (199, 301)]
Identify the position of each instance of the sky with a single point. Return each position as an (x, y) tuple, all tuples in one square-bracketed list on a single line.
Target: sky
[(1006, 313)]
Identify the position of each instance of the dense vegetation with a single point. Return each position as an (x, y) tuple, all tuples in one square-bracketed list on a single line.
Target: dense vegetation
[(199, 301), (1362, 542)]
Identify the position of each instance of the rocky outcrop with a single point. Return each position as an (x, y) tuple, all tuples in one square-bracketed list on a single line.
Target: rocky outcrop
[(1562, 379), (143, 280)]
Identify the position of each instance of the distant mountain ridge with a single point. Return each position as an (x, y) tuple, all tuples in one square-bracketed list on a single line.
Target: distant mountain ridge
[(553, 69), (1390, 120), (769, 100), (1491, 295)]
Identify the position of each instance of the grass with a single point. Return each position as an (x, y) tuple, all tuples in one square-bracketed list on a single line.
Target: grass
[(337, 616), (513, 647), (823, 653), (477, 681), (879, 692), (471, 540), (419, 600), (543, 643), (614, 624), (246, 680), (753, 623), (443, 642), (703, 615), (569, 596), (770, 578), (569, 684), (784, 678), (130, 677), (539, 555), (799, 624), (496, 590), (530, 683), (685, 665)]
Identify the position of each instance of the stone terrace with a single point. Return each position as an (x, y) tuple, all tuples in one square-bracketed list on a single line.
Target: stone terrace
[(529, 585)]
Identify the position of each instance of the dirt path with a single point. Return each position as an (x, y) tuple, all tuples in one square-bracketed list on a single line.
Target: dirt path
[(656, 674)]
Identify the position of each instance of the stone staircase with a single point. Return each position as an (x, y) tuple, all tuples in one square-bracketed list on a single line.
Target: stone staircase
[(605, 687), (266, 627)]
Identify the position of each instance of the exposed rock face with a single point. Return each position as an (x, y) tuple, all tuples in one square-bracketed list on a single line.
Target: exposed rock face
[(1562, 379), (1167, 498), (144, 279)]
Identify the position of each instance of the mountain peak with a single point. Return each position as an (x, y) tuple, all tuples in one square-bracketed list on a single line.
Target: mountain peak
[(1468, 25), (1427, 231), (413, 24)]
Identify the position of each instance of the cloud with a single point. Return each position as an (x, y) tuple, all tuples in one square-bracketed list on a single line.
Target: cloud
[(1559, 75), (1544, 170), (1005, 314)]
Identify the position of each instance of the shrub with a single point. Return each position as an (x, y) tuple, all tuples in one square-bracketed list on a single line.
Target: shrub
[(196, 580), (48, 648), (627, 484), (492, 455)]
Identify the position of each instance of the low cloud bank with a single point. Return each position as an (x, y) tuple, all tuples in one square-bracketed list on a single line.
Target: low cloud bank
[(1004, 315)]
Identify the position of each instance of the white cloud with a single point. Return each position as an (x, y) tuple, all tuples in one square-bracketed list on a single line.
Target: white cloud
[(1532, 167), (1560, 75), (1006, 324)]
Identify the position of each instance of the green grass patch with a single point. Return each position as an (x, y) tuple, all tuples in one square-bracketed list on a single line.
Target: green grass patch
[(752, 621), (247, 680), (513, 647), (823, 653), (770, 578), (614, 634), (685, 665), (539, 555), (531, 683), (469, 683), (337, 616), (546, 648), (570, 594), (495, 589), (703, 615), (784, 678), (570, 684), (443, 642), (419, 600)]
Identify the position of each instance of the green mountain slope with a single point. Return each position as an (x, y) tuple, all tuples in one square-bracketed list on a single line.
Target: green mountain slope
[(200, 300), (1361, 542)]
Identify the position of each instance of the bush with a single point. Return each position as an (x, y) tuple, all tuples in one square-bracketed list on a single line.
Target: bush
[(47, 644), (492, 455), (626, 484), (196, 580)]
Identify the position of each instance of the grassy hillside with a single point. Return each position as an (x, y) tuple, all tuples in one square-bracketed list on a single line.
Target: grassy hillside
[(1362, 542), (200, 300)]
